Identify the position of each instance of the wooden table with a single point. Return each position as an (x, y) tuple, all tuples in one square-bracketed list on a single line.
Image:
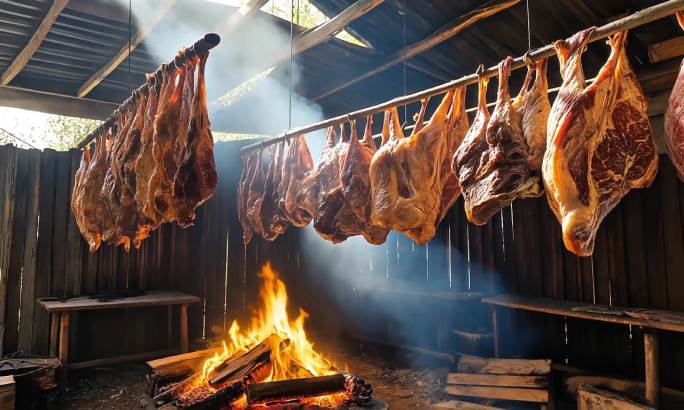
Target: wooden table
[(60, 314), (651, 320)]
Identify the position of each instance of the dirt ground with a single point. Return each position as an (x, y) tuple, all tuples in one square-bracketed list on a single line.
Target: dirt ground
[(119, 387)]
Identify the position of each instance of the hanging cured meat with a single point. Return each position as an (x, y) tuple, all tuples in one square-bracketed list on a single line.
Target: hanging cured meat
[(674, 118), (330, 199), (456, 129), (298, 165), (196, 178), (90, 208), (144, 164), (273, 223), (407, 179), (113, 185), (166, 125), (599, 141), (356, 189), (492, 161), (255, 197), (249, 162), (532, 102)]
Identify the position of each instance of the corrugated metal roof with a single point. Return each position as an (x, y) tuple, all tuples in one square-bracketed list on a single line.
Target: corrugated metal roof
[(87, 35)]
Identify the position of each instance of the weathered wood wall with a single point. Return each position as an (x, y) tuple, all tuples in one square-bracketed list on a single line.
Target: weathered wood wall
[(639, 261)]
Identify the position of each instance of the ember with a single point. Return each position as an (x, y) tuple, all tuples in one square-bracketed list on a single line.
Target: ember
[(271, 362)]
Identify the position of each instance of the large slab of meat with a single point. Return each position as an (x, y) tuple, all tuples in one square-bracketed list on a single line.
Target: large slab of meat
[(196, 178), (674, 118), (599, 141), (330, 201), (408, 174), (493, 162), (166, 130), (157, 167), (356, 186), (297, 166)]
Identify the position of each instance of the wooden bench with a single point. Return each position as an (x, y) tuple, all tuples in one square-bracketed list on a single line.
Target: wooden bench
[(651, 320), (60, 313)]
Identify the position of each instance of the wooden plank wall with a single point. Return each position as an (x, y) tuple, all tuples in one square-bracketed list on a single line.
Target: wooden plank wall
[(639, 261)]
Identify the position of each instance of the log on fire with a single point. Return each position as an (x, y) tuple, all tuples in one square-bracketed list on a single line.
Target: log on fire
[(239, 367), (227, 378), (288, 390)]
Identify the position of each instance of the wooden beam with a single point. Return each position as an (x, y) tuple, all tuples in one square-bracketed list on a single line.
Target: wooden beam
[(666, 50), (330, 28), (520, 367), (591, 398), (34, 43), (52, 103), (501, 393), (122, 54), (503, 380), (447, 31), (237, 19)]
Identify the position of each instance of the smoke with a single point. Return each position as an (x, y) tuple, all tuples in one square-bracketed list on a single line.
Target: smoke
[(264, 107)]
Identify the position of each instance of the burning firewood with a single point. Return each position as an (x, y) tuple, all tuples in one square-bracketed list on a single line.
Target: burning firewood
[(349, 388)]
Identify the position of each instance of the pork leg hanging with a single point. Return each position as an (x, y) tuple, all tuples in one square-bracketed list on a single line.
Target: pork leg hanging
[(674, 117), (599, 142)]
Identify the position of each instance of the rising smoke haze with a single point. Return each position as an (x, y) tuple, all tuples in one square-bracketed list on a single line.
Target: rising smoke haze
[(264, 108)]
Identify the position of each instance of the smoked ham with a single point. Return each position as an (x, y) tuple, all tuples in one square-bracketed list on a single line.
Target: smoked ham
[(330, 200), (298, 166), (599, 142), (166, 124), (674, 118), (356, 190), (144, 164), (93, 215), (196, 178), (492, 161), (272, 222), (248, 169), (406, 174)]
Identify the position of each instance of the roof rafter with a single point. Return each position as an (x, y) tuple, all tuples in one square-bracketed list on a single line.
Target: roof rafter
[(34, 43), (321, 33), (239, 18), (442, 34), (123, 53)]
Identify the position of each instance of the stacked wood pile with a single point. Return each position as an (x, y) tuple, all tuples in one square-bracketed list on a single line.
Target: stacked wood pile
[(501, 379)]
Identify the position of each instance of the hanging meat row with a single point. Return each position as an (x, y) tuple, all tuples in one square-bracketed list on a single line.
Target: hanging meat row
[(155, 165), (586, 151)]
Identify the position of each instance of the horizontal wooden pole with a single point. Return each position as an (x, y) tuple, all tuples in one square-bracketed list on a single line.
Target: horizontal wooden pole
[(637, 19)]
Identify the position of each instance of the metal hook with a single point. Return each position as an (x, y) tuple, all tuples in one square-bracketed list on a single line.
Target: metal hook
[(527, 58), (480, 70)]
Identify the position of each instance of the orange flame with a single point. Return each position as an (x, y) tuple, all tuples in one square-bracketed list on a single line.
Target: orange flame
[(292, 360)]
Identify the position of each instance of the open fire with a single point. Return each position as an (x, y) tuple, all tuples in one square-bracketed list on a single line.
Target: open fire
[(269, 362)]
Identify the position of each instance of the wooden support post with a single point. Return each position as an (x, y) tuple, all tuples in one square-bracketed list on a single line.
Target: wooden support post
[(651, 354), (184, 328), (169, 326), (64, 338), (495, 333), (54, 333)]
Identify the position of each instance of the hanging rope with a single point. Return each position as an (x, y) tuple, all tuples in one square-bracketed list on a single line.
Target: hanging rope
[(529, 30), (403, 14), (130, 22), (289, 108)]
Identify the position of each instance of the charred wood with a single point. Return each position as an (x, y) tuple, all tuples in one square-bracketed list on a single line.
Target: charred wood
[(289, 390)]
